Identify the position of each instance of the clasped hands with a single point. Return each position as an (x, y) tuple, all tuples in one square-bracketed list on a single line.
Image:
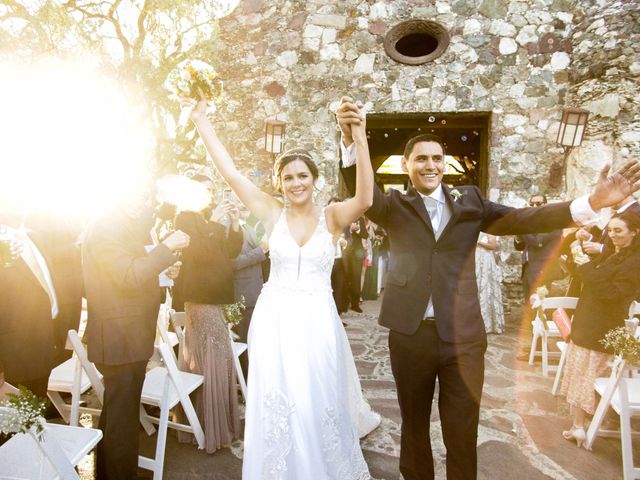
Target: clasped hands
[(352, 121)]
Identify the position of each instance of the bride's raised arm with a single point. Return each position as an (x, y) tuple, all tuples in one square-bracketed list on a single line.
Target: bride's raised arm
[(339, 215), (262, 205)]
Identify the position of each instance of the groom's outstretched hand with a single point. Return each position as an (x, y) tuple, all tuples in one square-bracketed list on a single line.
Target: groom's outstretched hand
[(611, 190)]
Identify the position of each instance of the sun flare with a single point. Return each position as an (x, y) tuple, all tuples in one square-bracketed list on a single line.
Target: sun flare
[(72, 142)]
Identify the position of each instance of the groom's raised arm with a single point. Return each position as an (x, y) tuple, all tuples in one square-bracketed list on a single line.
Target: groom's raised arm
[(347, 116), (380, 207), (609, 190)]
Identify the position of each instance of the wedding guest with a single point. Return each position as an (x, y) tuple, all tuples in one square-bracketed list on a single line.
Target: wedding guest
[(355, 253), (489, 278), (540, 254), (28, 309), (610, 284), (370, 286), (339, 271), (123, 299), (595, 244), (247, 278), (204, 285), (59, 240)]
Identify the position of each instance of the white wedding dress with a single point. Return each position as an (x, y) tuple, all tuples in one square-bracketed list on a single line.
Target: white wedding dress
[(305, 409)]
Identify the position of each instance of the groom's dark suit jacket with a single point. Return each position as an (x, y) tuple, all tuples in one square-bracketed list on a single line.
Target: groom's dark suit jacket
[(421, 267)]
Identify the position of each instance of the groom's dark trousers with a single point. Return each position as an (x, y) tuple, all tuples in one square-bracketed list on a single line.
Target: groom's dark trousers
[(440, 265), (416, 361)]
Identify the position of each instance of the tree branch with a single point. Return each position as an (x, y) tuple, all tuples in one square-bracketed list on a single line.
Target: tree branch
[(142, 31)]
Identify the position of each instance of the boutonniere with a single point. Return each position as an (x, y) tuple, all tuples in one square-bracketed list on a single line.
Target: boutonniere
[(457, 194)]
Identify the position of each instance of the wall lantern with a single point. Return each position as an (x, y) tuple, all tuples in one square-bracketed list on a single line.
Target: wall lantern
[(274, 136), (572, 127), (570, 133)]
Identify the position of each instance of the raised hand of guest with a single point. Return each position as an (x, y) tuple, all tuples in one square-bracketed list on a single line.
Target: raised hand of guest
[(612, 189), (592, 248), (583, 235), (229, 209), (234, 215), (177, 241), (174, 270)]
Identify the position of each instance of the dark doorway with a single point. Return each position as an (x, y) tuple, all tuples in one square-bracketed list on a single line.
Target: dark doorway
[(465, 136)]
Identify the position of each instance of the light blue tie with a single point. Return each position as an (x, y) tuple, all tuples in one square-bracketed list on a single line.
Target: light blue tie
[(431, 204)]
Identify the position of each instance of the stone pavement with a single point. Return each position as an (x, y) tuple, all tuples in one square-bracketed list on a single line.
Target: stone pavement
[(520, 422)]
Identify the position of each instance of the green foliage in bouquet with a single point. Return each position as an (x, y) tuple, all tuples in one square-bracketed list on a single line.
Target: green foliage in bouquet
[(23, 411), (233, 312), (623, 344)]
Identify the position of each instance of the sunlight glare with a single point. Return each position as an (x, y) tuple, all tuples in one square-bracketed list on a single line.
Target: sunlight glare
[(72, 143)]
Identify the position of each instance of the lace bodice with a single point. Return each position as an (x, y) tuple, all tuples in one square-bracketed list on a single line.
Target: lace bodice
[(306, 267)]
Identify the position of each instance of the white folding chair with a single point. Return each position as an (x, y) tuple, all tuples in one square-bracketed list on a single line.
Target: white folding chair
[(53, 456), (544, 329), (563, 347), (75, 376), (238, 349), (622, 394), (178, 320), (165, 387), (7, 388), (170, 338)]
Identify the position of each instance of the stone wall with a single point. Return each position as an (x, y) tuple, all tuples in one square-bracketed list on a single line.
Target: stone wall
[(295, 59), (605, 79)]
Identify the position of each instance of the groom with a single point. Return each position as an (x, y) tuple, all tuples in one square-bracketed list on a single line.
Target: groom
[(431, 303)]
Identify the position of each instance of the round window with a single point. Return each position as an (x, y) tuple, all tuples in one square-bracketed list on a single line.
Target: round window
[(416, 41)]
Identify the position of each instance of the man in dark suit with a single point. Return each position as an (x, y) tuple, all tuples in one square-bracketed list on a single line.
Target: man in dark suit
[(57, 237), (354, 255), (540, 266), (123, 300), (539, 255), (28, 308), (431, 299)]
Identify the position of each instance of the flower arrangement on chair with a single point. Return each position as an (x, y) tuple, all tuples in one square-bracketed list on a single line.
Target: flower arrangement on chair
[(536, 302), (623, 343), (22, 412), (233, 312)]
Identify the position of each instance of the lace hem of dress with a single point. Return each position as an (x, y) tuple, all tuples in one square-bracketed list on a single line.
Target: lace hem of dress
[(277, 434), (348, 467)]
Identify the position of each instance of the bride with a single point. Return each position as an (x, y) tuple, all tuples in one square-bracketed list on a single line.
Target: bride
[(305, 409)]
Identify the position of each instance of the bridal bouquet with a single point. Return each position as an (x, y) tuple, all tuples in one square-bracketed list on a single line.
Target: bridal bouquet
[(196, 80), (22, 412)]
